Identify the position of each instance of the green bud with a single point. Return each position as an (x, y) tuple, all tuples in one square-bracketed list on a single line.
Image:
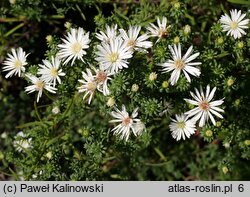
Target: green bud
[(240, 44), (176, 39), (230, 82), (187, 29), (247, 142), (209, 133), (1, 155), (67, 25), (177, 5), (49, 155), (237, 102), (85, 133), (218, 123), (220, 40), (165, 84), (49, 38)]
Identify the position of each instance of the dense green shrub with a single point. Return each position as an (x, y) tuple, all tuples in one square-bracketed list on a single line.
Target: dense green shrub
[(65, 138)]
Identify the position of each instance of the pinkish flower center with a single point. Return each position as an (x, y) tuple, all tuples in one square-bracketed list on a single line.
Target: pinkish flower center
[(101, 76), (204, 105), (126, 121)]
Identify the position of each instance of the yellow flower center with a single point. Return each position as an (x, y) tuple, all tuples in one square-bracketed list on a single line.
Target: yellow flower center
[(204, 105), (18, 64), (53, 72), (113, 57), (234, 25), (101, 76), (76, 48), (179, 64), (131, 43), (126, 121), (181, 125), (91, 86), (40, 85)]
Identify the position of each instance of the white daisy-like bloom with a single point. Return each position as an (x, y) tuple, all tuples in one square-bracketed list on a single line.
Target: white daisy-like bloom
[(205, 108), (89, 85), (159, 31), (50, 71), (74, 45), (113, 56), (102, 78), (21, 142), (109, 34), (38, 85), (127, 123), (139, 127), (234, 24), (15, 62), (133, 40), (179, 63), (181, 127)]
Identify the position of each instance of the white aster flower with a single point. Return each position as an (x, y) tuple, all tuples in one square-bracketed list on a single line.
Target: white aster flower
[(50, 71), (39, 85), (89, 85), (15, 62), (179, 63), (160, 31), (131, 38), (74, 44), (127, 123), (235, 24), (21, 142), (109, 34), (206, 109), (113, 56), (181, 127), (139, 127), (102, 78)]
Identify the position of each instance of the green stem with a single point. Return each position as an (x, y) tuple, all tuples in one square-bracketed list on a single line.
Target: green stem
[(50, 97), (37, 113), (156, 164), (13, 29), (239, 2), (29, 124)]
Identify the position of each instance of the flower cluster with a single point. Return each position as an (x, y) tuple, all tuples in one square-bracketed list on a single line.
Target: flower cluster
[(112, 55)]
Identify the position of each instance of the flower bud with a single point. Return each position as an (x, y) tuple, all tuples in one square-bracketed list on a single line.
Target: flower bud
[(165, 84), (225, 169), (110, 102), (209, 133), (230, 82), (176, 39), (187, 29), (152, 76), (55, 110), (135, 88)]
